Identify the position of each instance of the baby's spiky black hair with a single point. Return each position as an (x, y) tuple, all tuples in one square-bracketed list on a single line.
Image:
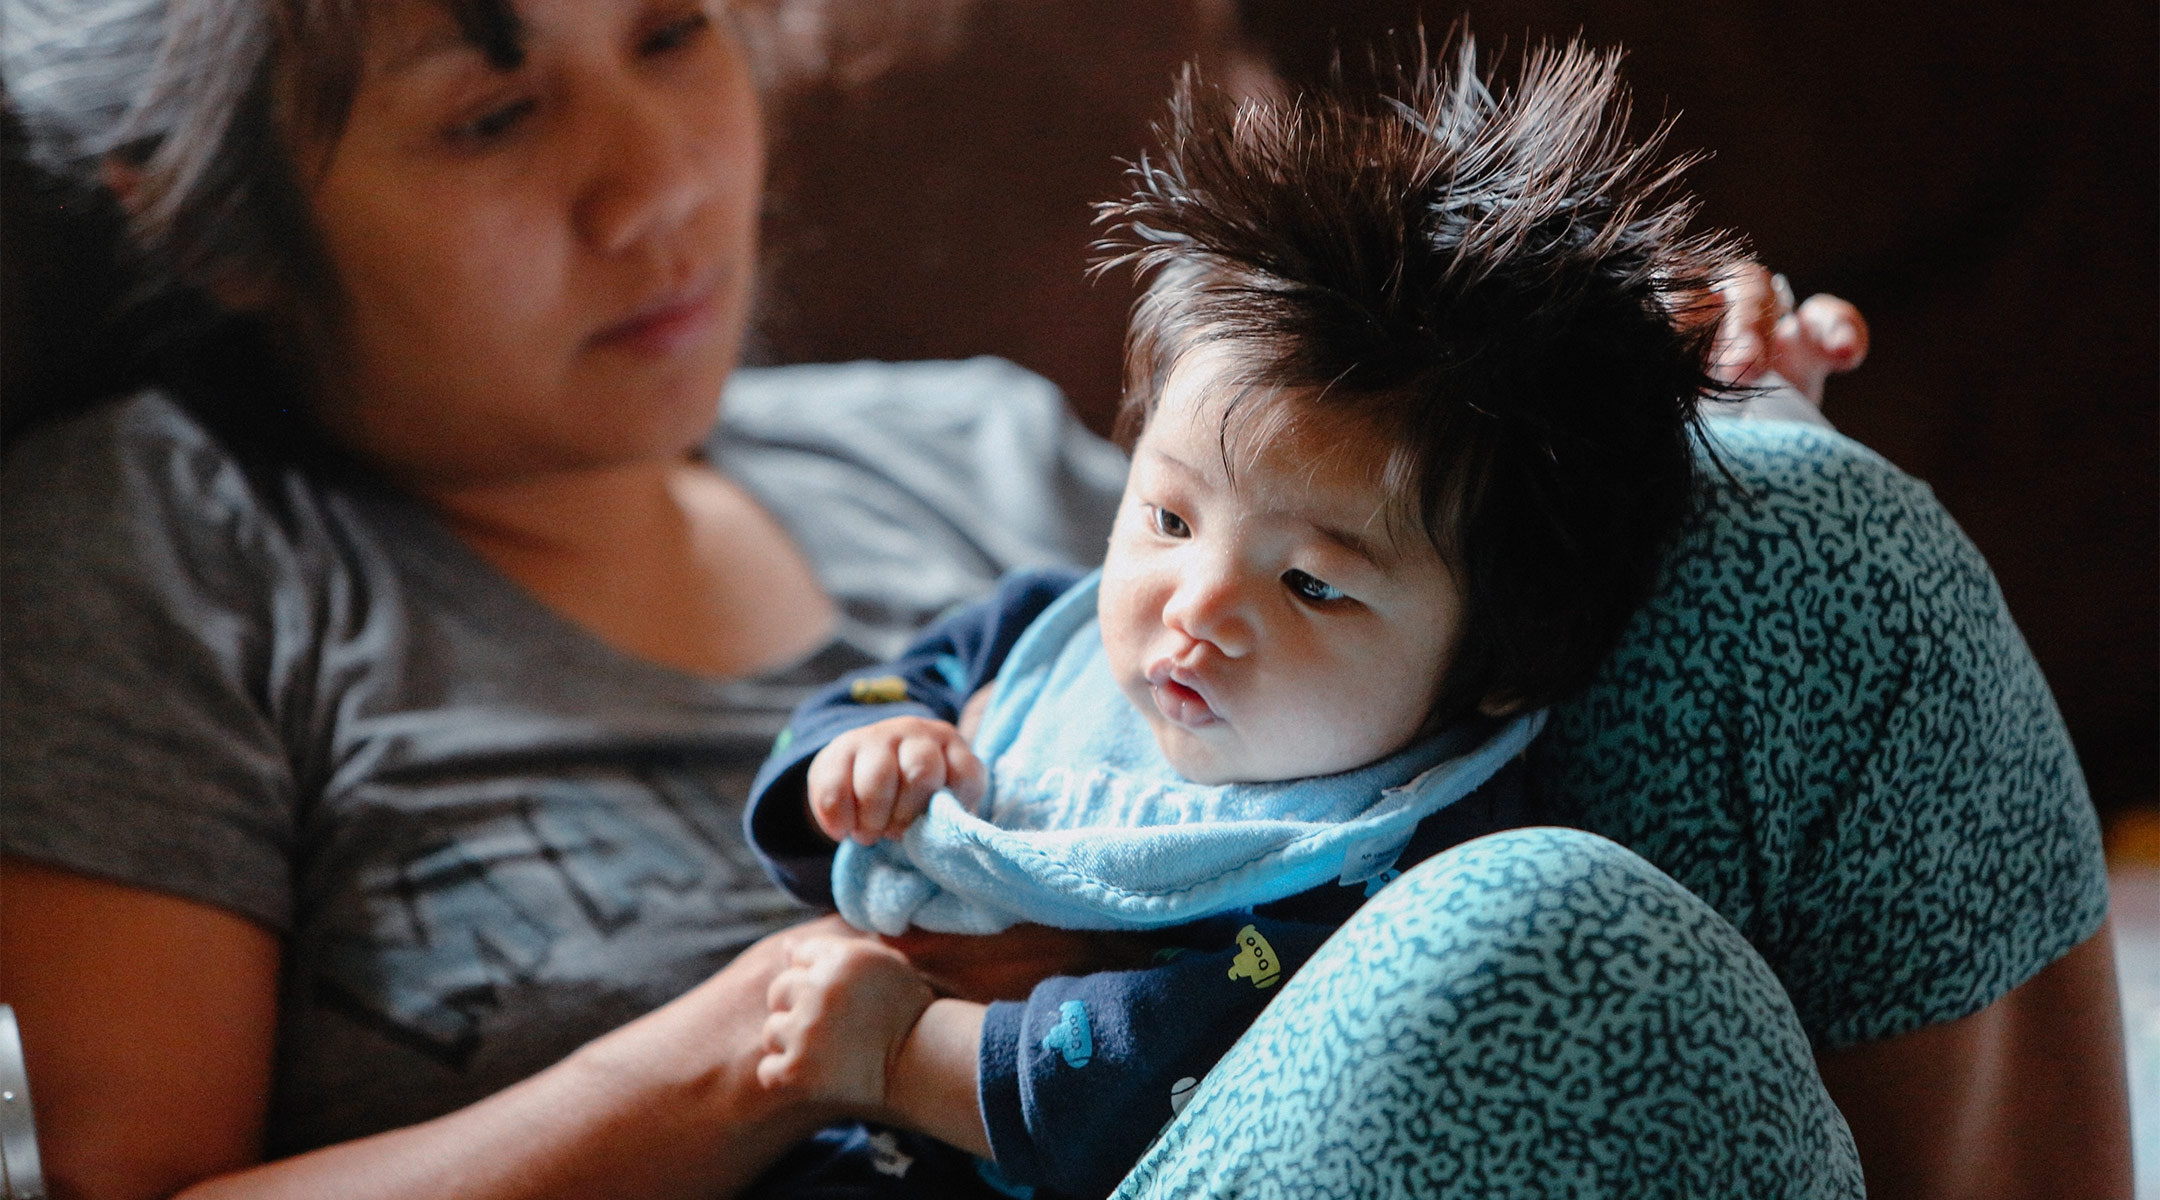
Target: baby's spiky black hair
[(1498, 281)]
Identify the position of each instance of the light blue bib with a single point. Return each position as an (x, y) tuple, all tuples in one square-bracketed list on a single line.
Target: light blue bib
[(1086, 826)]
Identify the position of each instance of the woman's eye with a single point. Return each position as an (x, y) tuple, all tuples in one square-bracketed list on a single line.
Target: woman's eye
[(1168, 523), (1305, 587), (676, 34), (496, 122)]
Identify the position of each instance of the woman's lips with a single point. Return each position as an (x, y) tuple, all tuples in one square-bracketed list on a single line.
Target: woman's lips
[(1179, 701), (663, 328)]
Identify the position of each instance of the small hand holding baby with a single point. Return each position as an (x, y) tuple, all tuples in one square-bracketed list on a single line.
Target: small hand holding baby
[(836, 1019), (872, 782)]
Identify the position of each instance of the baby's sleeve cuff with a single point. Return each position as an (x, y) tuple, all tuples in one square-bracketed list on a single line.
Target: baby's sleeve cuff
[(998, 1086)]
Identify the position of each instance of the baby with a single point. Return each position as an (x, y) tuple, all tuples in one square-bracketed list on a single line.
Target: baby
[(1414, 389)]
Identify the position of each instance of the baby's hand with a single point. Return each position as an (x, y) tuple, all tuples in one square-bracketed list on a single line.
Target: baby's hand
[(1761, 330), (874, 781), (836, 1019)]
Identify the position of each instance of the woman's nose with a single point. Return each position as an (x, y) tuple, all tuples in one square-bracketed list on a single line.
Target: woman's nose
[(1210, 606), (649, 175)]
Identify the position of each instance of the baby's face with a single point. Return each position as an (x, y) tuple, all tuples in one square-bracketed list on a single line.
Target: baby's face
[(1269, 628)]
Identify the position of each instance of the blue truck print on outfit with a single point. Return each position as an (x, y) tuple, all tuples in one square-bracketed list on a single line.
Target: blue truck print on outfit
[(1072, 1037)]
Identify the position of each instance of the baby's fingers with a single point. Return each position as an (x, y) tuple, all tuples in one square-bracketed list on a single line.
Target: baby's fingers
[(1835, 329), (831, 786), (965, 776), (922, 773), (1822, 337), (876, 781), (775, 1071), (781, 1036), (780, 994)]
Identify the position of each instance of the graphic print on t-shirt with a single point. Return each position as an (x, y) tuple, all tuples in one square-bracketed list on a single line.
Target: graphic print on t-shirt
[(427, 945)]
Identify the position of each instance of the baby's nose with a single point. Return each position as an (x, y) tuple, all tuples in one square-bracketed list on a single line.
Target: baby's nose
[(1211, 607)]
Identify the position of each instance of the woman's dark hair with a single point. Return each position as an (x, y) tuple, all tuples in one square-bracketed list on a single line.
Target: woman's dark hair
[(1500, 283), (198, 104)]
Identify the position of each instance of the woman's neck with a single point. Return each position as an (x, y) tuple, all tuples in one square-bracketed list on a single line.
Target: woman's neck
[(559, 513), (668, 561)]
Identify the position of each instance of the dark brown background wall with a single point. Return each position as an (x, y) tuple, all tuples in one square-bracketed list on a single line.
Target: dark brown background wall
[(1980, 179)]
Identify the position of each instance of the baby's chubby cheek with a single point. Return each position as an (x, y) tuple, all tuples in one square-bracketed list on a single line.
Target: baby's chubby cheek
[(1266, 743), (1127, 628), (1323, 722)]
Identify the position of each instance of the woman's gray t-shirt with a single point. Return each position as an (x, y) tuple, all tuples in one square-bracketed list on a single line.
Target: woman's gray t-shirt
[(487, 836)]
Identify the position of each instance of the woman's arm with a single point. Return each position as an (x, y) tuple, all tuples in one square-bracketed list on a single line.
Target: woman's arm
[(2025, 1098), (149, 1021), (147, 1026)]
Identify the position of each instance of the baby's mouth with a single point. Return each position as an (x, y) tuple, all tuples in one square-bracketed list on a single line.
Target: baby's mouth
[(1178, 700)]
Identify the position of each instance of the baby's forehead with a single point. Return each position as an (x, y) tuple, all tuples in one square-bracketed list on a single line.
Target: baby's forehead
[(1334, 486), (1295, 448)]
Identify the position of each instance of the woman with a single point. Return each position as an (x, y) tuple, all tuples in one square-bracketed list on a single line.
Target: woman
[(311, 850)]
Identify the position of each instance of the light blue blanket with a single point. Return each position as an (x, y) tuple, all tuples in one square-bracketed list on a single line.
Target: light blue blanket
[(1086, 826)]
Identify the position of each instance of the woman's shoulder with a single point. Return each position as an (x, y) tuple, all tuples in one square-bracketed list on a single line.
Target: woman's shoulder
[(1804, 497), (123, 432), (138, 463), (140, 578)]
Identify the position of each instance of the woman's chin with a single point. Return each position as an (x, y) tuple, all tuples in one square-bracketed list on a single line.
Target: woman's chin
[(665, 413)]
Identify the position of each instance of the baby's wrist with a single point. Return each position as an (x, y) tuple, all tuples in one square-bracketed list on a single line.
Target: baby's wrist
[(900, 1058), (931, 1084)]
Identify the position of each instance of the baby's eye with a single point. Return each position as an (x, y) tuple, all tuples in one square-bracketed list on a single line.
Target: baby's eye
[(1168, 523), (1305, 587)]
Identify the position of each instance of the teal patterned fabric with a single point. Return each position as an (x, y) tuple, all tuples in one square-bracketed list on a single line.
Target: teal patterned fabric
[(1827, 726), (1538, 1013)]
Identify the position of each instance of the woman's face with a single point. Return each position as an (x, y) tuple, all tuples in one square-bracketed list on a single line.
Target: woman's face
[(546, 267)]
